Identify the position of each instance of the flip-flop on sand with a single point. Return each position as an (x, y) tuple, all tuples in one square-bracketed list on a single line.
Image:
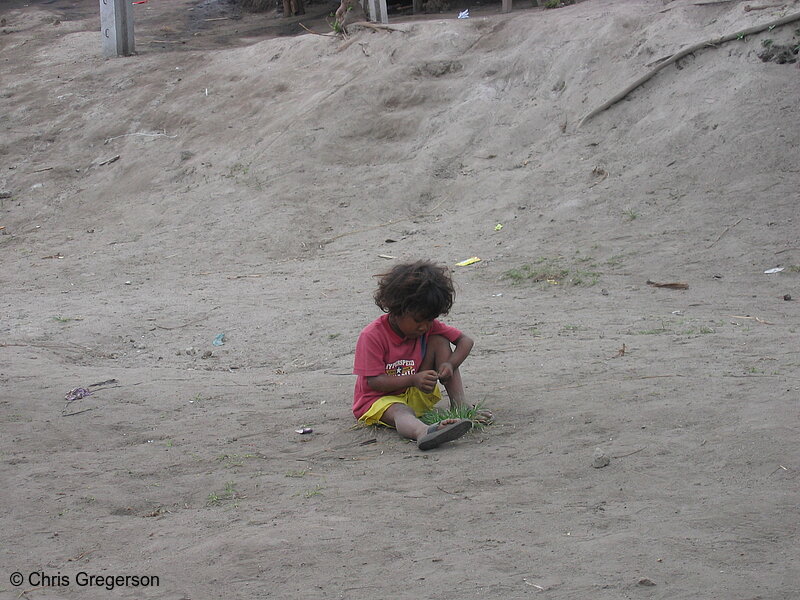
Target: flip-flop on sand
[(438, 435)]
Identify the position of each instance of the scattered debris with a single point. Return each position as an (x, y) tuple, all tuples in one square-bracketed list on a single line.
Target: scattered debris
[(219, 340), (754, 318), (749, 7), (77, 394), (469, 261), (726, 230), (775, 270), (621, 352), (498, 227), (304, 430), (600, 459), (599, 172), (386, 256), (464, 14), (631, 453), (644, 581), (162, 133), (108, 161), (671, 285), (787, 297), (538, 587)]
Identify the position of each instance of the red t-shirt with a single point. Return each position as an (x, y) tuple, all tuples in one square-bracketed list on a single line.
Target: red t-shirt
[(380, 350)]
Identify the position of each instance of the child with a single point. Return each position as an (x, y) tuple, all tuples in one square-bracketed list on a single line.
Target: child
[(402, 355)]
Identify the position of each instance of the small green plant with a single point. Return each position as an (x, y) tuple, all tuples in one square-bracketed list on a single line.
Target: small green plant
[(218, 498), (336, 26), (300, 473), (536, 273), (794, 268), (234, 460), (61, 319), (552, 271), (766, 43), (473, 413), (630, 215), (615, 261), (316, 491)]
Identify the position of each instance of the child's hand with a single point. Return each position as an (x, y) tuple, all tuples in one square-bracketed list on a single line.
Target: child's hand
[(445, 371), (426, 381)]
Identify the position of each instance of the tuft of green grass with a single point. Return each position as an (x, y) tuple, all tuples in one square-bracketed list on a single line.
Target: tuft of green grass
[(459, 412), (316, 491), (218, 498), (554, 272)]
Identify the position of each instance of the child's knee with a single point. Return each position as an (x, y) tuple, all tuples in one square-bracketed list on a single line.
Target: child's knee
[(439, 349)]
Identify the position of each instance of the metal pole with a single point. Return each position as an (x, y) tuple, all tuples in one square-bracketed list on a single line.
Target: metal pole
[(116, 27)]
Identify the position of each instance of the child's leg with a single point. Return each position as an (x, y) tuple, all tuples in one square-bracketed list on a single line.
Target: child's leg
[(402, 417), (438, 352)]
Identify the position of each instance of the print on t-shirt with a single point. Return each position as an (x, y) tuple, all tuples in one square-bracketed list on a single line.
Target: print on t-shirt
[(401, 367)]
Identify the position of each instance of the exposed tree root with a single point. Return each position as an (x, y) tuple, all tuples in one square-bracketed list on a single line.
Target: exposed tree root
[(685, 52)]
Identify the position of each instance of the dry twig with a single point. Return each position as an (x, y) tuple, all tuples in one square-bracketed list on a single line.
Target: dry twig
[(671, 285), (728, 228)]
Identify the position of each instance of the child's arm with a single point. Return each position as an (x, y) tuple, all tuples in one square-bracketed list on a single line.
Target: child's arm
[(424, 380), (463, 346)]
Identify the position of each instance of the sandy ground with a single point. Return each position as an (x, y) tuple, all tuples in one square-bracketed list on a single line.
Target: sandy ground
[(228, 181)]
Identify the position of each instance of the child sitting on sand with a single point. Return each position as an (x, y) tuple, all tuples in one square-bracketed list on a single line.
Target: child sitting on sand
[(402, 355)]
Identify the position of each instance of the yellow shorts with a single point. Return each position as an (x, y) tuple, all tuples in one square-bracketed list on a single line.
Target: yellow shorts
[(419, 401)]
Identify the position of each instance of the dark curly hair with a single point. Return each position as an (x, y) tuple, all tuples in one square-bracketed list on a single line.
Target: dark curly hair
[(421, 289)]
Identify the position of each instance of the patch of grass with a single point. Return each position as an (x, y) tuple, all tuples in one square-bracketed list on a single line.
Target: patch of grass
[(584, 278), (460, 412), (793, 268), (658, 331), (630, 215), (315, 491), (300, 473), (234, 460), (558, 3), (61, 319), (552, 271), (219, 498)]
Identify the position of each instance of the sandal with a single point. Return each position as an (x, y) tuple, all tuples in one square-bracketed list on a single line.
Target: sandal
[(438, 435)]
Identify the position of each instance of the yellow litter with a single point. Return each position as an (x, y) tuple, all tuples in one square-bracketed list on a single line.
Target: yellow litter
[(469, 261)]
